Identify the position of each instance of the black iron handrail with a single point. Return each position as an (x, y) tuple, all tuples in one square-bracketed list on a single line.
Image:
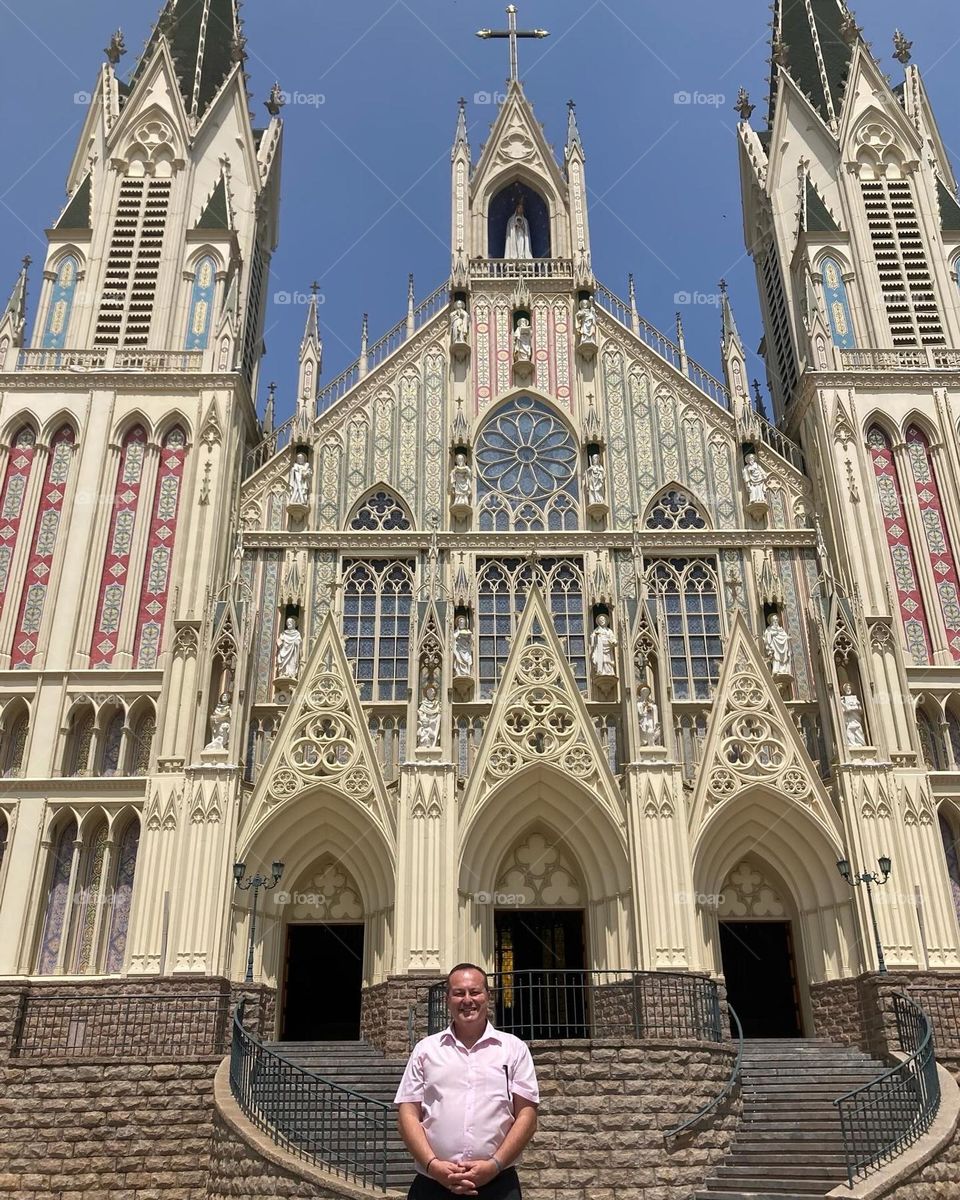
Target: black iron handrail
[(313, 1118), (885, 1116), (564, 1004), (727, 1089)]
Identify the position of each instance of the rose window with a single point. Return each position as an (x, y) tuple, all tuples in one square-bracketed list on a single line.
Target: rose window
[(526, 470)]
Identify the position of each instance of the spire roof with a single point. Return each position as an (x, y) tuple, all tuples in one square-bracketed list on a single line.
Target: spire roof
[(817, 218), (573, 132), (77, 213), (216, 213), (813, 41), (949, 209), (205, 42), (731, 335), (16, 306), (460, 137), (311, 331)]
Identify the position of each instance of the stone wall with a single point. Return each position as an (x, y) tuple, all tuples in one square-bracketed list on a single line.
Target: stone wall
[(859, 1012), (385, 1009)]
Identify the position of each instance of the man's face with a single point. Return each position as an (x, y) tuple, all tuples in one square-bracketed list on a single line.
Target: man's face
[(467, 998)]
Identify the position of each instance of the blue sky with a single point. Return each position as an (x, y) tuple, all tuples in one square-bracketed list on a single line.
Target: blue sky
[(366, 179)]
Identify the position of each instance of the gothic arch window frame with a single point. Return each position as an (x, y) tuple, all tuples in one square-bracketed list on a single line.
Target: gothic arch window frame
[(948, 823), (141, 738), (520, 174), (373, 634), (59, 882), (22, 437), (125, 833), (567, 861), (374, 493), (687, 625), (15, 729), (692, 502), (934, 751), (951, 714), (61, 297), (837, 293), (78, 739), (6, 833), (205, 269), (542, 511), (111, 732)]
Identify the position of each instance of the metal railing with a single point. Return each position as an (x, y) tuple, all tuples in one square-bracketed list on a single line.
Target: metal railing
[(699, 376), (942, 1007), (314, 1119), (563, 1004), (110, 358), (121, 1025), (885, 1116), (726, 1091), (911, 358)]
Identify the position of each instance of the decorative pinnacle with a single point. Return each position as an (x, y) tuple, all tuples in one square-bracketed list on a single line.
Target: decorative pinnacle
[(781, 52), (315, 287), (275, 101), (901, 47), (723, 287), (117, 48), (850, 31), (743, 105)]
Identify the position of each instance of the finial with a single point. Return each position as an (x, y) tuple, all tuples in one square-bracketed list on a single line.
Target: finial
[(850, 31), (314, 287), (781, 52), (117, 48), (901, 47), (237, 47), (26, 261), (512, 34), (275, 101), (410, 291), (743, 105), (723, 287)]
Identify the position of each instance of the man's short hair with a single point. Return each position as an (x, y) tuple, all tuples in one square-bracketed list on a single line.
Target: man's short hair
[(468, 967)]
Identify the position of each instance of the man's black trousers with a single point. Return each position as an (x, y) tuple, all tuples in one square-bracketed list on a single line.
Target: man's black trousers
[(506, 1186)]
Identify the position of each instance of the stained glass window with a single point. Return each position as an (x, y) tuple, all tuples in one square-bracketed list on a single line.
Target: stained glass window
[(933, 517), (58, 899), (13, 740), (912, 612), (377, 603), (838, 305), (502, 587), (201, 304), (931, 744), (112, 745), (952, 853), (61, 304), (142, 749), (381, 511), (88, 902), (527, 465), (686, 597), (78, 747), (121, 896)]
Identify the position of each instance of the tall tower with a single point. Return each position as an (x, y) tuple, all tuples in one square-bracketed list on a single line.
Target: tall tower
[(122, 418), (851, 217)]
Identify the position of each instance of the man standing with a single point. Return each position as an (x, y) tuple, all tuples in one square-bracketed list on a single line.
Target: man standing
[(468, 1100)]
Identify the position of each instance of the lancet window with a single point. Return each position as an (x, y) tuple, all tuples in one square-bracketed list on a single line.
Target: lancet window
[(61, 304), (22, 453), (377, 604), (502, 587), (686, 600), (951, 849), (13, 738), (155, 589), (526, 470), (201, 304), (838, 304)]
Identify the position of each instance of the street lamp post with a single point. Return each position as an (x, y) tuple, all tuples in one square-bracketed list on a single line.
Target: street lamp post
[(869, 878), (256, 882)]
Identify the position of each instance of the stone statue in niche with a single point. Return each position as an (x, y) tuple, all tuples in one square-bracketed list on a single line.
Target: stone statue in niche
[(595, 483), (517, 244), (523, 341), (603, 646), (649, 716), (461, 482), (755, 477), (779, 651), (428, 720), (298, 489), (289, 650), (853, 730), (459, 324), (220, 724), (462, 650), (585, 320)]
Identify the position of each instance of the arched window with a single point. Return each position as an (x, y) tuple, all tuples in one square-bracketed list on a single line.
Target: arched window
[(11, 500), (377, 601), (116, 563), (931, 743), (58, 899), (951, 850), (121, 896), (527, 470), (686, 597), (201, 304), (46, 529), (502, 588), (155, 590), (838, 304), (61, 304), (79, 742), (141, 751), (674, 510), (112, 748), (912, 612), (13, 740), (88, 900), (380, 512), (4, 837), (535, 213), (939, 547)]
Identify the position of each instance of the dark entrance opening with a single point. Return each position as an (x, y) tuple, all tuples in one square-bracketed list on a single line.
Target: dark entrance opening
[(324, 977), (761, 974), (540, 963)]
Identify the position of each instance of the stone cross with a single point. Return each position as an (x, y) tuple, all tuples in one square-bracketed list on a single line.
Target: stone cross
[(513, 33)]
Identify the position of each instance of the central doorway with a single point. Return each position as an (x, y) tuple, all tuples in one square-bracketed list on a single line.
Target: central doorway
[(540, 961), (761, 973), (322, 983)]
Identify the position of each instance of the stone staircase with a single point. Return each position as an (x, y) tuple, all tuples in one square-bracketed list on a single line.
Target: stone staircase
[(789, 1145), (361, 1068)]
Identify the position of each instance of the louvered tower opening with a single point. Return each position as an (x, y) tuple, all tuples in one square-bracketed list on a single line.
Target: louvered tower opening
[(905, 280), (251, 336), (133, 263), (778, 325)]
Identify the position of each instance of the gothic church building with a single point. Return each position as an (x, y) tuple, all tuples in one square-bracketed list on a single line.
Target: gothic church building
[(526, 640)]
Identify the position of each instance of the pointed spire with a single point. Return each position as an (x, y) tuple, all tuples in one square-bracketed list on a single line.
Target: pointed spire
[(364, 334), (311, 330), (573, 132), (14, 316), (812, 43), (311, 357), (206, 43), (460, 139), (634, 313), (411, 306), (681, 344), (270, 410), (731, 335)]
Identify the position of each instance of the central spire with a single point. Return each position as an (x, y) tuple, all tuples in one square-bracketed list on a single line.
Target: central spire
[(513, 33), (205, 42), (813, 42)]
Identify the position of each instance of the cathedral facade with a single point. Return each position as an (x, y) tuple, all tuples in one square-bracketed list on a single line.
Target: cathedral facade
[(525, 640)]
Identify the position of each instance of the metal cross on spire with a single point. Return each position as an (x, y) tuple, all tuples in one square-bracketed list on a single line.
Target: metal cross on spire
[(513, 33)]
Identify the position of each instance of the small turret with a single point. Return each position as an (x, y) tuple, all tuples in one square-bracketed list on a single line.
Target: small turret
[(311, 358), (733, 353), (14, 318)]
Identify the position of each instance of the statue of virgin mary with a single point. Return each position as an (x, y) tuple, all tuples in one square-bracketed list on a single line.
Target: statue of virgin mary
[(518, 235)]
